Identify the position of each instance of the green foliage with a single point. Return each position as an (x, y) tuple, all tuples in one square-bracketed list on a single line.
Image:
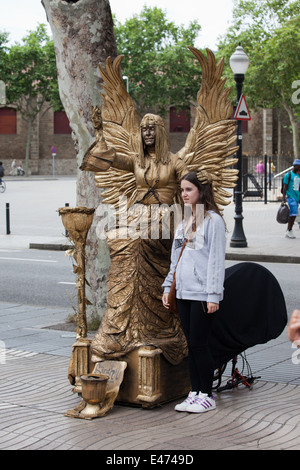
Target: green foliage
[(3, 56), (269, 31), (3, 41), (30, 73), (160, 67)]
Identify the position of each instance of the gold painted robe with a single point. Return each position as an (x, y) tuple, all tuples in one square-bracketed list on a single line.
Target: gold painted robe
[(134, 315)]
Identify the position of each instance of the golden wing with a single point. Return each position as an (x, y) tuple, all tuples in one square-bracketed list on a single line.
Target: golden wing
[(116, 127), (209, 145)]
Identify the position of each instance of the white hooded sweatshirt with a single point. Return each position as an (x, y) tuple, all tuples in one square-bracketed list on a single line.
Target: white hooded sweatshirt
[(201, 269)]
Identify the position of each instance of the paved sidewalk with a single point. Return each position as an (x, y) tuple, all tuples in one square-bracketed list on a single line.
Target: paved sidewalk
[(265, 236), (35, 394), (34, 389)]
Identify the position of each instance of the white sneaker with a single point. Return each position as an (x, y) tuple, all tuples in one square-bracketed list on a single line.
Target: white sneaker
[(201, 404), (289, 234), (188, 401)]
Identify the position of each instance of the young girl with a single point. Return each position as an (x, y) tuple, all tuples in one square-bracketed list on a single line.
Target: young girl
[(199, 285)]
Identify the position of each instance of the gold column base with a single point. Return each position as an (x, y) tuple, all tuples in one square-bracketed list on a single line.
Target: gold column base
[(80, 362), (150, 380), (149, 374)]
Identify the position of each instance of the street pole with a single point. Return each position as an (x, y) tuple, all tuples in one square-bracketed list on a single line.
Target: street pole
[(239, 64), (53, 151), (127, 82), (266, 179), (53, 164)]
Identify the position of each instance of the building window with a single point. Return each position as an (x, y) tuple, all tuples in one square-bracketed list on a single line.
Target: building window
[(8, 121), (179, 120), (61, 123)]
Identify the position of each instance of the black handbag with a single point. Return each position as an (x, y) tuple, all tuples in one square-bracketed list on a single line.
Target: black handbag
[(283, 213)]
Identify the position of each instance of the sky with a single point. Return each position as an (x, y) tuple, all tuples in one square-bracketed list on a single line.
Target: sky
[(19, 16)]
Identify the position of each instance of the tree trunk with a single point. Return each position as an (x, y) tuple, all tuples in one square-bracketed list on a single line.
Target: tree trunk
[(295, 123), (295, 127), (279, 140), (28, 147), (83, 37)]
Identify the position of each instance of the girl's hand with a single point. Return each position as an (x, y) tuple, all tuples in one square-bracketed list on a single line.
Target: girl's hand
[(212, 307), (165, 300)]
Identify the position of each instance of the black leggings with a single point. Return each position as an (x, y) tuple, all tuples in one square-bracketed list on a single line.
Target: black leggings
[(197, 326)]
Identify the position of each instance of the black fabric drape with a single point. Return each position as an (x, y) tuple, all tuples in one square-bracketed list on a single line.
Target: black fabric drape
[(252, 312)]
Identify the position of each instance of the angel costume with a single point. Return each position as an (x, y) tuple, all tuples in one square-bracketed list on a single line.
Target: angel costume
[(149, 175)]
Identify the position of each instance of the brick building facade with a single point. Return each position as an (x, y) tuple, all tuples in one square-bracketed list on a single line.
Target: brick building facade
[(51, 129)]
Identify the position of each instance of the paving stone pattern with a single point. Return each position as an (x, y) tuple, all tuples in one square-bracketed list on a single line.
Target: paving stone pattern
[(35, 393)]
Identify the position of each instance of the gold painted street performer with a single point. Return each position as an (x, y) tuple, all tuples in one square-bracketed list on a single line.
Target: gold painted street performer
[(132, 159)]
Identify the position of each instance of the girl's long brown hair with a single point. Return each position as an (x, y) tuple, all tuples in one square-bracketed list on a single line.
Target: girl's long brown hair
[(206, 192)]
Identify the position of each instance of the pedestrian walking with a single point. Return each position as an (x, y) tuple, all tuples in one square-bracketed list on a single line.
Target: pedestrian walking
[(260, 170), (291, 195), (200, 276), (13, 170), (270, 171)]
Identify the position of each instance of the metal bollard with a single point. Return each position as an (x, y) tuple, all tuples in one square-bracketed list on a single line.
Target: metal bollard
[(66, 232), (7, 219)]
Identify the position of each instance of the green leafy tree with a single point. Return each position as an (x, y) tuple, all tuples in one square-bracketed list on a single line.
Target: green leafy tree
[(269, 31), (160, 68), (3, 65), (31, 78), (3, 51)]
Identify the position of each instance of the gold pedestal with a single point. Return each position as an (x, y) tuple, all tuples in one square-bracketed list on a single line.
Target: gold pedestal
[(150, 380), (142, 378)]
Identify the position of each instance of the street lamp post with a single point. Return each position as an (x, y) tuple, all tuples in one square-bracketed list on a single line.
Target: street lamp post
[(127, 82), (239, 63)]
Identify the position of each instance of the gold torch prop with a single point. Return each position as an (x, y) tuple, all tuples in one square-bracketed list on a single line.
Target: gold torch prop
[(98, 390), (77, 221)]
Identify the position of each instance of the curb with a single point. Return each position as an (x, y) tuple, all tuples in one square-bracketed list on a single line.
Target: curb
[(262, 258), (49, 246), (229, 256)]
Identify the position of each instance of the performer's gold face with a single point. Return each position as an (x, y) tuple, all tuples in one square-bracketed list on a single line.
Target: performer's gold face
[(148, 134)]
